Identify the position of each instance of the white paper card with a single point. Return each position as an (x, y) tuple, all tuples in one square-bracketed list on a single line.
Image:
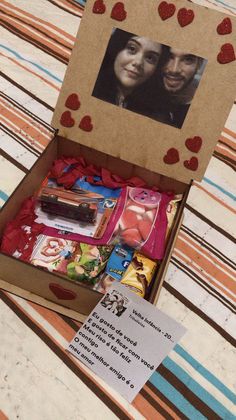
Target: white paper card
[(124, 339)]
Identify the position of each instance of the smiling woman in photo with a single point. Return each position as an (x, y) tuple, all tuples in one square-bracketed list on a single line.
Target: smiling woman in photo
[(128, 74)]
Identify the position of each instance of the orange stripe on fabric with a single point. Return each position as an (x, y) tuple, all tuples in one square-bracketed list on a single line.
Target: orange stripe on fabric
[(203, 274), (69, 355), (23, 136), (29, 130), (32, 72), (37, 19), (162, 403), (208, 266), (230, 132), (2, 416), (148, 411), (44, 133), (228, 141), (214, 197), (208, 254), (70, 6), (37, 37), (226, 152), (55, 320)]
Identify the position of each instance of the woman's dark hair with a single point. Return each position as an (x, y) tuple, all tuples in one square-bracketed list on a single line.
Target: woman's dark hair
[(143, 99)]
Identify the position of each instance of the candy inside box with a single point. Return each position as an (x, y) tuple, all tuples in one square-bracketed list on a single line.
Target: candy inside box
[(156, 128), (55, 290)]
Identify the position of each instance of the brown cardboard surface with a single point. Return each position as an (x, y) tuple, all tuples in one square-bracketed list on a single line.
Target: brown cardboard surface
[(133, 137)]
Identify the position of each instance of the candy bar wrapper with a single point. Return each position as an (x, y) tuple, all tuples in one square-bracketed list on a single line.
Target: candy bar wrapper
[(105, 281), (88, 261), (171, 212), (52, 253), (119, 261), (139, 274)]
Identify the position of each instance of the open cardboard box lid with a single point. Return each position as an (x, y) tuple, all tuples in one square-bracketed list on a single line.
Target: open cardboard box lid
[(126, 134)]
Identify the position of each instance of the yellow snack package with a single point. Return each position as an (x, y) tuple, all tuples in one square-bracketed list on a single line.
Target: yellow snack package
[(139, 274)]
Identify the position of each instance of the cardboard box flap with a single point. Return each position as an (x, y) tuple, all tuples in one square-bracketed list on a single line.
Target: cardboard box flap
[(144, 85)]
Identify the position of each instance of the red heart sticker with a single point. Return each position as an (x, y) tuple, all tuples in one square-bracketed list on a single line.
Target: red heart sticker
[(194, 144), (73, 102), (172, 156), (166, 10), (118, 12), (99, 7), (226, 54), (191, 164), (67, 120), (185, 17), (225, 27), (61, 293), (86, 123)]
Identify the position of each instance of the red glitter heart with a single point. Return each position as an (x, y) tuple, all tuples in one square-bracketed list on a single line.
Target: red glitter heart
[(73, 102), (191, 164), (118, 12), (172, 156), (166, 10), (61, 293), (86, 123), (194, 144), (185, 17), (225, 27), (67, 120), (226, 55), (99, 7)]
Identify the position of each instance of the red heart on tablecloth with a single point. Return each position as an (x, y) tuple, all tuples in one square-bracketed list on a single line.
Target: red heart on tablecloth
[(118, 12), (166, 10), (61, 293), (226, 54), (172, 156), (191, 164), (99, 7), (225, 27), (194, 144), (67, 120), (86, 123), (73, 102), (185, 17)]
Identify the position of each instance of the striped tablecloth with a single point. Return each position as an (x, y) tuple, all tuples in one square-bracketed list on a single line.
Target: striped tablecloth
[(38, 379)]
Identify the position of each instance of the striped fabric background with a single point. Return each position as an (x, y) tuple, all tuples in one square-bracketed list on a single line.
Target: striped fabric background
[(197, 379)]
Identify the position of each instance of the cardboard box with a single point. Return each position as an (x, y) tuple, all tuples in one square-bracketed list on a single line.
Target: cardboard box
[(131, 140)]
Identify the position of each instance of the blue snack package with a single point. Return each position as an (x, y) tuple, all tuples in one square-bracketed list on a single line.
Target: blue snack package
[(119, 261)]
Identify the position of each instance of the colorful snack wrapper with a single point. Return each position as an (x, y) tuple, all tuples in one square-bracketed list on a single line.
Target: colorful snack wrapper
[(139, 274), (171, 212), (88, 262), (52, 253), (119, 261), (105, 281)]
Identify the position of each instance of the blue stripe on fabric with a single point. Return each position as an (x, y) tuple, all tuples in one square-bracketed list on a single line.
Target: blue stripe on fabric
[(3, 196), (205, 373), (208, 181), (225, 4), (175, 397), (198, 390), (31, 62)]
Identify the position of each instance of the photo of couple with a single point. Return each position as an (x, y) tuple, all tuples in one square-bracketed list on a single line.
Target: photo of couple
[(148, 78)]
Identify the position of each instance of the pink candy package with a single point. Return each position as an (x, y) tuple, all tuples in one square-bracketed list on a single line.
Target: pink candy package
[(143, 222)]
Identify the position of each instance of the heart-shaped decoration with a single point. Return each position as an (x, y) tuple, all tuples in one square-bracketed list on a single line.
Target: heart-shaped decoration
[(191, 164), (99, 7), (225, 27), (67, 120), (166, 10), (73, 102), (226, 54), (172, 156), (86, 123), (194, 144), (62, 293), (118, 12), (185, 17)]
